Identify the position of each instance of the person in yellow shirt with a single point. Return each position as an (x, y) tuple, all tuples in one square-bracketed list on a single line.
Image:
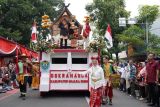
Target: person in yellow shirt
[(108, 71), (35, 77)]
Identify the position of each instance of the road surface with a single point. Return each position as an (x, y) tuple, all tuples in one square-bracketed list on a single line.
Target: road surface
[(63, 99)]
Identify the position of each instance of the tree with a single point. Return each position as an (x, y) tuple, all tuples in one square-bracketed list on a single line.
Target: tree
[(148, 14), (153, 45), (135, 35), (104, 12), (17, 16)]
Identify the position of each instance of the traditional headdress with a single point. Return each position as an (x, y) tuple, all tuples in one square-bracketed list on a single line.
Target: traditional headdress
[(23, 55), (94, 58)]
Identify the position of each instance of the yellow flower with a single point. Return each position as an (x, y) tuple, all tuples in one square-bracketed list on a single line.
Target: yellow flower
[(45, 17), (43, 21), (43, 26), (46, 20)]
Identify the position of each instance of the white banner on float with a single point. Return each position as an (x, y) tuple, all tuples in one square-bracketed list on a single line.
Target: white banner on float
[(63, 80)]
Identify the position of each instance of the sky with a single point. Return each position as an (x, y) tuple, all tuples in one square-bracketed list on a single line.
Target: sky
[(133, 5), (77, 7)]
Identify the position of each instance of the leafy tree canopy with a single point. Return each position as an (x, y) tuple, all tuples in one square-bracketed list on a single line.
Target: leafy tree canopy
[(148, 13), (16, 16), (104, 12), (135, 35)]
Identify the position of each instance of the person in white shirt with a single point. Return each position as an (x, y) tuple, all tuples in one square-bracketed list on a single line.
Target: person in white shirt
[(97, 82), (127, 79), (123, 78)]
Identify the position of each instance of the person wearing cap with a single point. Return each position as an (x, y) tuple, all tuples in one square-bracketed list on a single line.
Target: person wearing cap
[(108, 71), (97, 83), (22, 77)]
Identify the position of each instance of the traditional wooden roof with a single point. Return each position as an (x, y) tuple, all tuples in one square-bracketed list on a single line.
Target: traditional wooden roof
[(65, 9)]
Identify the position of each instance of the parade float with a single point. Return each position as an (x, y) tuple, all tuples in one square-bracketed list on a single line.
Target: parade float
[(59, 61), (65, 49)]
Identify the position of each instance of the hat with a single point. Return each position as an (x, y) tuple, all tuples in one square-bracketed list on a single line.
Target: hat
[(111, 61), (23, 55), (94, 58), (35, 62)]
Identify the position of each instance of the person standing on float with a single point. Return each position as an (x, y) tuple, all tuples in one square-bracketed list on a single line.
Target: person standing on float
[(108, 71), (64, 26), (97, 83)]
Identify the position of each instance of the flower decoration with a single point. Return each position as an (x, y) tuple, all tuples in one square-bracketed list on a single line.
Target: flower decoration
[(95, 45), (46, 22), (46, 46)]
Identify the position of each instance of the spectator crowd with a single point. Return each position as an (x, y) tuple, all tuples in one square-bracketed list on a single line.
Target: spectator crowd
[(141, 80), (8, 77)]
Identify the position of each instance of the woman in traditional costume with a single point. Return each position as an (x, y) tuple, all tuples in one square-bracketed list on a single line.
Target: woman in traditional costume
[(97, 83)]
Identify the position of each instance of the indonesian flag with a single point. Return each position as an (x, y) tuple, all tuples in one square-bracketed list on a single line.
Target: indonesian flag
[(34, 33), (108, 36)]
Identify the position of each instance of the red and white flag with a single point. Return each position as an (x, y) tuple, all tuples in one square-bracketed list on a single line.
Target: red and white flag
[(108, 36), (34, 33)]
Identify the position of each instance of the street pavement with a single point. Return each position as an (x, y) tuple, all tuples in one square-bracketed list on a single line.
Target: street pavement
[(63, 99)]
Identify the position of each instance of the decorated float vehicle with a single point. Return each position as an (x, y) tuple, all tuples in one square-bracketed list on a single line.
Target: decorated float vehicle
[(60, 60), (58, 70)]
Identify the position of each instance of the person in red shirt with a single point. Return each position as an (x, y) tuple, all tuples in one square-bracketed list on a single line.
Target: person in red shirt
[(86, 32), (158, 87), (152, 78)]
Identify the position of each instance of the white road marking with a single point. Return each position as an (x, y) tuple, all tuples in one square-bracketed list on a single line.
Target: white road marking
[(87, 99)]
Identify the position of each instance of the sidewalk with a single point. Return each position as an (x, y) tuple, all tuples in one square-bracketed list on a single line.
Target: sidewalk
[(8, 94)]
